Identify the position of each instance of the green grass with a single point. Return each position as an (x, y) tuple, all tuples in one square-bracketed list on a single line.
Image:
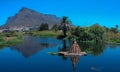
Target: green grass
[(53, 53), (18, 36), (10, 42), (114, 41), (17, 39), (45, 33), (113, 38), (14, 41)]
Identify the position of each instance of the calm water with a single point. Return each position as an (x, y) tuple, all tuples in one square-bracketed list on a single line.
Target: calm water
[(32, 56)]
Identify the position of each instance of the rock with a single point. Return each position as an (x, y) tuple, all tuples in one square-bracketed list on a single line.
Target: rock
[(28, 17)]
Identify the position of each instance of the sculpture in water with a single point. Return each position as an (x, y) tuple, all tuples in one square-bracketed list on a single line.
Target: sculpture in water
[(75, 48), (64, 26)]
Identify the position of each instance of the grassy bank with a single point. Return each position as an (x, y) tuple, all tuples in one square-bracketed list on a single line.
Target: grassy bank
[(13, 38), (45, 33), (10, 42), (113, 38), (10, 39)]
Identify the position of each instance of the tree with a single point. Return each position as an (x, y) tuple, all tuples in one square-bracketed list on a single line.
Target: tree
[(43, 26), (114, 29), (98, 32), (55, 27), (117, 27), (106, 29), (81, 33)]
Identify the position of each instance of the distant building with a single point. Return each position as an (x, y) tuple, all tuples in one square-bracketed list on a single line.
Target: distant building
[(26, 29), (23, 28), (16, 29), (4, 30), (34, 28), (19, 29), (0, 31)]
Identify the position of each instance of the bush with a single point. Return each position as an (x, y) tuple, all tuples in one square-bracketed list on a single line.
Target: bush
[(98, 32), (44, 26)]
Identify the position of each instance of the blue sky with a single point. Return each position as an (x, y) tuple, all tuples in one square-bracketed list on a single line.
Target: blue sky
[(80, 12)]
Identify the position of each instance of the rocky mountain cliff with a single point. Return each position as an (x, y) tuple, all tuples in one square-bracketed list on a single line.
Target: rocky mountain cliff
[(28, 17)]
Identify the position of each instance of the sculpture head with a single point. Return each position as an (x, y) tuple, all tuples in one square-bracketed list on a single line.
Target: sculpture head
[(75, 42)]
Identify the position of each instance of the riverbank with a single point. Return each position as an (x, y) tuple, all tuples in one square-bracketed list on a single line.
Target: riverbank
[(10, 39), (47, 33), (13, 38), (111, 38)]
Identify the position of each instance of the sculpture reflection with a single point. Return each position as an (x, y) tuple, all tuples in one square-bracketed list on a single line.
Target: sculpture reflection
[(74, 59), (73, 48), (92, 48), (65, 47)]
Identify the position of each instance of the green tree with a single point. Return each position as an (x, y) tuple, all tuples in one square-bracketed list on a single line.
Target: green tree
[(98, 32), (114, 29), (117, 27), (106, 29), (44, 26), (81, 33), (55, 27)]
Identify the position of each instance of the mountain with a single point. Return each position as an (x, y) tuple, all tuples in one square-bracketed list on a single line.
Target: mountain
[(27, 17)]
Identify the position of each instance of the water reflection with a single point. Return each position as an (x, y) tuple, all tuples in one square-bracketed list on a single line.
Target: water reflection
[(13, 61), (33, 45), (74, 58), (93, 48), (65, 47), (113, 46)]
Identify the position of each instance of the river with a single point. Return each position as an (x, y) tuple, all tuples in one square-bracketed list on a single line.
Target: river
[(33, 56)]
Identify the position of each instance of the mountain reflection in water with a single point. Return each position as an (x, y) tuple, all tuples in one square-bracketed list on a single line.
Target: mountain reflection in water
[(32, 45)]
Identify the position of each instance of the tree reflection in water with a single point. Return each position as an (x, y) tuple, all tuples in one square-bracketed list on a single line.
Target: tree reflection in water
[(92, 48)]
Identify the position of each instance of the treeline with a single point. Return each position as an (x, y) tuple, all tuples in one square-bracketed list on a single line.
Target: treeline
[(112, 34), (96, 33), (93, 33), (45, 26)]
